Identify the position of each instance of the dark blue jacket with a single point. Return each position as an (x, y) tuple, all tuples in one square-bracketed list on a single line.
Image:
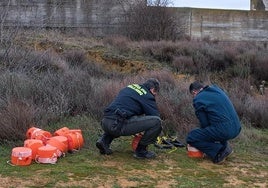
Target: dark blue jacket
[(213, 107), (134, 100)]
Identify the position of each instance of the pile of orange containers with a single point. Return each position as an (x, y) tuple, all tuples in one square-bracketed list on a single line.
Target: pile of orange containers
[(43, 147)]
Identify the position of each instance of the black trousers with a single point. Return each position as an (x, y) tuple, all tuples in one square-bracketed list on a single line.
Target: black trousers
[(149, 125)]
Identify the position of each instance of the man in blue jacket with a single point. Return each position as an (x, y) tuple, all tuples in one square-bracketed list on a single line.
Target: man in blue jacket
[(218, 119), (134, 110)]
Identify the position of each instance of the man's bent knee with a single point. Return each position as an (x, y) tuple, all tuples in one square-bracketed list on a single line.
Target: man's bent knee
[(191, 138)]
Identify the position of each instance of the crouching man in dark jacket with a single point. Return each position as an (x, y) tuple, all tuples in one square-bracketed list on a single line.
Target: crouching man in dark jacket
[(134, 110), (218, 119)]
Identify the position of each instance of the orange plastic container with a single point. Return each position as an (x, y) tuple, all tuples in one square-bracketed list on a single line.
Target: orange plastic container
[(21, 156), (33, 144), (62, 132), (36, 133), (75, 141), (46, 154), (75, 131), (135, 141), (60, 142), (193, 152)]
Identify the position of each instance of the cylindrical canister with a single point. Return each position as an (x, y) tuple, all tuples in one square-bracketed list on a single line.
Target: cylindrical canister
[(21, 156), (135, 141), (193, 152), (34, 144)]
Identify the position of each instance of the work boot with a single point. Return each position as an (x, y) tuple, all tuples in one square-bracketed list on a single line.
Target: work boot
[(103, 144), (222, 155), (142, 153)]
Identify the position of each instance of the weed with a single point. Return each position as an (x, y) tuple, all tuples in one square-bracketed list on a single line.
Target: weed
[(87, 168)]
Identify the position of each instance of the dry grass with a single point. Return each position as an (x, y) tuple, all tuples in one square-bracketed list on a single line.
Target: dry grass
[(57, 75)]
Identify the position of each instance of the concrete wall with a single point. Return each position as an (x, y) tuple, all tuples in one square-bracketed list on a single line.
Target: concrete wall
[(229, 25), (100, 16), (106, 17)]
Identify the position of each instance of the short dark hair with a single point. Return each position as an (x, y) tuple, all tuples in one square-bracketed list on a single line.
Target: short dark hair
[(195, 86), (152, 83)]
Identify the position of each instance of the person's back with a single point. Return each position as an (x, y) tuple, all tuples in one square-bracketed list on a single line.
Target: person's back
[(133, 111), (134, 100), (217, 106), (218, 120)]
